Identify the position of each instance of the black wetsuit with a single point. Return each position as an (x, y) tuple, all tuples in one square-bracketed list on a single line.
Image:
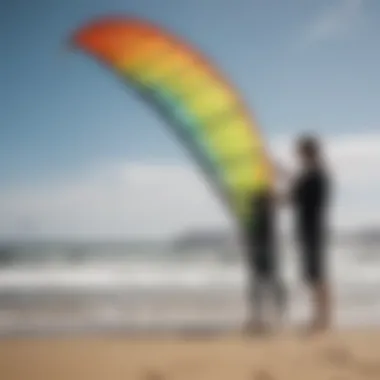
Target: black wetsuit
[(262, 254), (310, 197), (261, 237)]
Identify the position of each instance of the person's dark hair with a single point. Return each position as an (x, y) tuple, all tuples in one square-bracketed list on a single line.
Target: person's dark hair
[(309, 147)]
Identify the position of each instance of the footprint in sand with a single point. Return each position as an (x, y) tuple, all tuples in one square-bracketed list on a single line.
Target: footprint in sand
[(263, 375), (153, 375), (337, 356), (342, 358), (369, 369)]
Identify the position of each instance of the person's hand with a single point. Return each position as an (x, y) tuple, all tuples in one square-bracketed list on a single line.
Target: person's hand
[(281, 172), (281, 198)]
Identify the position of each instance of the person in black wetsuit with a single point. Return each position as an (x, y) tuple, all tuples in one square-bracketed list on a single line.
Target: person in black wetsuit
[(310, 198), (265, 282)]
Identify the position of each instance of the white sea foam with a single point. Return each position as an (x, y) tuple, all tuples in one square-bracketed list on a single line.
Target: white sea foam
[(141, 291)]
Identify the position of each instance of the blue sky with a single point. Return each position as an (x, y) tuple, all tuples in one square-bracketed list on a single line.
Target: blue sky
[(300, 64)]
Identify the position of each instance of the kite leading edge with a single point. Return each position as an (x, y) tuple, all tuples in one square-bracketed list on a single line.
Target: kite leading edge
[(202, 109)]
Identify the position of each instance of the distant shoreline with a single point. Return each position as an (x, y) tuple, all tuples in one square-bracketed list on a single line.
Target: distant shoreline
[(179, 330)]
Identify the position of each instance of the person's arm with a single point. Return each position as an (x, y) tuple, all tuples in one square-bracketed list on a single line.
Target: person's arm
[(282, 173), (284, 197)]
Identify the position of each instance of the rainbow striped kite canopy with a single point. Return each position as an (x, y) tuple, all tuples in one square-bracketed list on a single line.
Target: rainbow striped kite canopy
[(201, 108)]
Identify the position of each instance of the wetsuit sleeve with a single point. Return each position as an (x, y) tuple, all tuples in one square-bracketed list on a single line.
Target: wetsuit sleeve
[(295, 192), (318, 189)]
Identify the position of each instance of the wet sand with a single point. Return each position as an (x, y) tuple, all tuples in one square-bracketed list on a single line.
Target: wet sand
[(348, 355)]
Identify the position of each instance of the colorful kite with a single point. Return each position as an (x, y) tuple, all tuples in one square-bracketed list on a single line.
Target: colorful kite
[(201, 108)]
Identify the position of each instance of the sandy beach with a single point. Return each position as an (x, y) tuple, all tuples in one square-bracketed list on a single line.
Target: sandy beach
[(289, 356)]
